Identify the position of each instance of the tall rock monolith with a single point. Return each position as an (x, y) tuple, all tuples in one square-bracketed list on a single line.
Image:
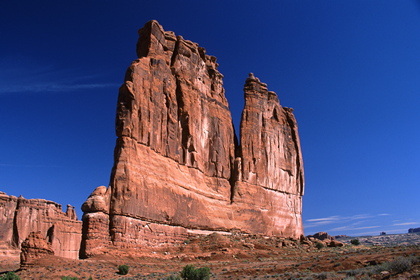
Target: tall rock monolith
[(178, 168)]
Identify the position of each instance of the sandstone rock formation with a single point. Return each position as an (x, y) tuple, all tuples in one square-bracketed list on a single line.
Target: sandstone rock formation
[(335, 243), (19, 217), (413, 230), (33, 248), (321, 236), (324, 238), (178, 167)]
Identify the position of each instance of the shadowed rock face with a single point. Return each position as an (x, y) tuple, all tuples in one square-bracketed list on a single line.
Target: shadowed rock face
[(19, 217), (178, 168)]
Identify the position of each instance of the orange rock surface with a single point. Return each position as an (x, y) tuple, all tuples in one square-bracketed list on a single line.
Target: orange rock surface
[(34, 247), (19, 217), (179, 169)]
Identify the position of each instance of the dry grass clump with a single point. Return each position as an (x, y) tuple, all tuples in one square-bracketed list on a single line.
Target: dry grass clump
[(396, 266)]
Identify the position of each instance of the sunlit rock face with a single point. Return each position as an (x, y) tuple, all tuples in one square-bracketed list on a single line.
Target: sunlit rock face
[(178, 167), (19, 217), (271, 154), (34, 247)]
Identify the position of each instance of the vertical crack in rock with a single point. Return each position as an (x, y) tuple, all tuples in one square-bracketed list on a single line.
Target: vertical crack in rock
[(174, 54), (183, 124), (300, 182), (15, 233), (235, 172), (178, 165)]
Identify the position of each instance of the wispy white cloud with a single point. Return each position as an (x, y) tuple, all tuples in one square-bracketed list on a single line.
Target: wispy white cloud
[(385, 229), (336, 219), (23, 75), (53, 87), (359, 224), (28, 165), (351, 224), (332, 218), (322, 221), (350, 228), (406, 224)]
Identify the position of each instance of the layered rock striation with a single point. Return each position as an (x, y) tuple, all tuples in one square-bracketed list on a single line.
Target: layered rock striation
[(19, 217), (178, 167)]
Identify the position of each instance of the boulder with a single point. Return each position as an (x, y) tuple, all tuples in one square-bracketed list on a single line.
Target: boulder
[(335, 243), (34, 247)]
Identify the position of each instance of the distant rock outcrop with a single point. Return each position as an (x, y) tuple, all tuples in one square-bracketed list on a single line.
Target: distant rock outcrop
[(179, 169), (19, 217), (413, 230), (326, 239), (321, 236)]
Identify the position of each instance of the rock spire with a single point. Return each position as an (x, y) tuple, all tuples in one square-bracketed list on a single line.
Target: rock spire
[(178, 168)]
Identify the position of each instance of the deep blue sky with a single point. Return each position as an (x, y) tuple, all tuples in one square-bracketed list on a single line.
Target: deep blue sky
[(349, 68)]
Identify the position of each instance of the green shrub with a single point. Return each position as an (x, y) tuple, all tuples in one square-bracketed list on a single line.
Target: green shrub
[(319, 245), (191, 273), (400, 264), (353, 272), (355, 242), (173, 277), (10, 276), (123, 269), (69, 278), (323, 275)]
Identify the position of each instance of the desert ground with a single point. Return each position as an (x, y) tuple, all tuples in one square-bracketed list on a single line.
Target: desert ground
[(244, 257)]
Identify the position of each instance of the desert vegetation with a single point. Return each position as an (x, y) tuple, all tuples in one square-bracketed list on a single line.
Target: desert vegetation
[(191, 273), (355, 242), (123, 269), (237, 256), (10, 276)]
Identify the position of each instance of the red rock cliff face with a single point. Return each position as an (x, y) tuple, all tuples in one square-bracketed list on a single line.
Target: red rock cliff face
[(271, 155), (19, 217), (270, 168), (178, 169)]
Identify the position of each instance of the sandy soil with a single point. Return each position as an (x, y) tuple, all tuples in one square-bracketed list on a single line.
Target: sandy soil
[(233, 257)]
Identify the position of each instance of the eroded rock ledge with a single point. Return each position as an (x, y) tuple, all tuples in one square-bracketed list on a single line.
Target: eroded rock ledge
[(178, 167)]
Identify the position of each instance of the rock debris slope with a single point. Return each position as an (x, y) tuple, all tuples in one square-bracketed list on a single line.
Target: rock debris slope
[(178, 168)]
